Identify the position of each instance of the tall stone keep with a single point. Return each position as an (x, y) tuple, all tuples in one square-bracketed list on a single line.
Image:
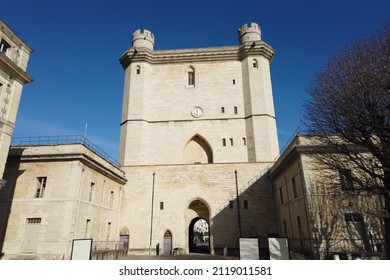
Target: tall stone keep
[(228, 88), (197, 124)]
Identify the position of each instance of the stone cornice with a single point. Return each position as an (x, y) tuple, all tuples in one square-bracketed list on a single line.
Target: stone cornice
[(232, 53), (14, 71)]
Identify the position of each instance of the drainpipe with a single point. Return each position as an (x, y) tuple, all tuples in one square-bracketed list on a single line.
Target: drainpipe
[(151, 216)]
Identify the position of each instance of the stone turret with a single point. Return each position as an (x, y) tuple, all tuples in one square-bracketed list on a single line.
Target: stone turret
[(143, 39), (249, 33)]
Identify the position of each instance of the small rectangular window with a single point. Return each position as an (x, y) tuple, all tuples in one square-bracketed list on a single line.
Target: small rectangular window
[(234, 81), (4, 46), (224, 142), (244, 141), (246, 204), (222, 109), (161, 205), (41, 186), (235, 110), (231, 141), (231, 205), (353, 218)]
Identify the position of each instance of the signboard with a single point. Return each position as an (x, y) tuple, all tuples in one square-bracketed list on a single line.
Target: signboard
[(278, 249), (249, 249), (81, 249)]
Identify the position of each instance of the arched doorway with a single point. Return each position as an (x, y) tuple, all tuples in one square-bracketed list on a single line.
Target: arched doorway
[(167, 248), (124, 238), (198, 221)]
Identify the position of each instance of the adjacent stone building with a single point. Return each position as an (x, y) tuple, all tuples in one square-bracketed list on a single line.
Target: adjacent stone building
[(58, 189), (14, 56), (319, 210), (197, 124)]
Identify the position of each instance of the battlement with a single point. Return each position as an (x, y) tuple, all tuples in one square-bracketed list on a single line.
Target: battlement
[(249, 33), (143, 39)]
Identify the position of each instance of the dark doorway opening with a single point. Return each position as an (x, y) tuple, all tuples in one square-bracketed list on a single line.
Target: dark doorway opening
[(199, 237)]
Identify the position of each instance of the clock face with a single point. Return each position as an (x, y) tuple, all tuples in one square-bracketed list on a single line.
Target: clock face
[(196, 112)]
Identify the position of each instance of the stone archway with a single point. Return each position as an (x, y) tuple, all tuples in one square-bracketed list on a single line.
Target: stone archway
[(198, 212)]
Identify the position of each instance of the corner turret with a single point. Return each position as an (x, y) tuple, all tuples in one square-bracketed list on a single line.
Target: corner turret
[(249, 33), (143, 39)]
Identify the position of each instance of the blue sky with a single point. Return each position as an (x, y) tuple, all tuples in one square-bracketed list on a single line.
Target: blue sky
[(77, 44)]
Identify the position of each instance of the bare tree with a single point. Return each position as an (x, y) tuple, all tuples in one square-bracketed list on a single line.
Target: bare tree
[(349, 111)]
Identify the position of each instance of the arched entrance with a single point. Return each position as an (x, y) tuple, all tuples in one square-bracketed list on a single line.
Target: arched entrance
[(167, 248), (124, 238), (198, 221)]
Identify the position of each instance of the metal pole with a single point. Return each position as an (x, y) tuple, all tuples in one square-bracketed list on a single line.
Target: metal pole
[(238, 205), (151, 217)]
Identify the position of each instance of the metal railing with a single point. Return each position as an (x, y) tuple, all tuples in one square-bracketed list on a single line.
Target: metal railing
[(60, 140)]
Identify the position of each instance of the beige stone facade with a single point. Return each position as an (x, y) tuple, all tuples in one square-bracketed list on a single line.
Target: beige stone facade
[(57, 193), (14, 56), (317, 215), (195, 118)]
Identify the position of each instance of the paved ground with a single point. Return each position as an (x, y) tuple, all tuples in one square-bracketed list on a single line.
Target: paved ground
[(191, 256)]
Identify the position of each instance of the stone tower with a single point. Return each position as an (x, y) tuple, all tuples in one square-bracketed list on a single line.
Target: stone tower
[(230, 93), (195, 124)]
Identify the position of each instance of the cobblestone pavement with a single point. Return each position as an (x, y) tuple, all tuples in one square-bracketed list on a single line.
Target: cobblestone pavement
[(191, 256)]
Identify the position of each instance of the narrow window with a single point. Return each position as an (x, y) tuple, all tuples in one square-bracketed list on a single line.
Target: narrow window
[(281, 196), (294, 187), (244, 141), (41, 186), (222, 109), (161, 205), (285, 228), (191, 77), (91, 191), (138, 71), (346, 179), (224, 142), (231, 205), (231, 141), (246, 204), (234, 81), (111, 199), (235, 110), (108, 230), (87, 227)]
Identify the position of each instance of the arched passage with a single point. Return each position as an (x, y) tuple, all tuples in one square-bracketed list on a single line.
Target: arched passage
[(197, 150), (198, 221)]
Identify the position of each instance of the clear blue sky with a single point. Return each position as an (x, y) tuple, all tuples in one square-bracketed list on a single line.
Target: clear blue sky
[(77, 44)]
